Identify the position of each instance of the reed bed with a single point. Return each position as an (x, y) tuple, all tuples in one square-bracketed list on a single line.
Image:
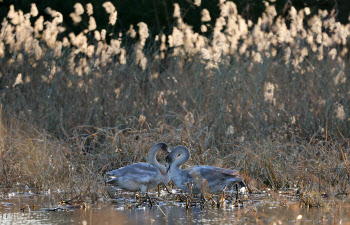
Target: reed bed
[(271, 98)]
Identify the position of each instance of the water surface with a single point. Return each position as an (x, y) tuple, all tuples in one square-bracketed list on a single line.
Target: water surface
[(24, 207)]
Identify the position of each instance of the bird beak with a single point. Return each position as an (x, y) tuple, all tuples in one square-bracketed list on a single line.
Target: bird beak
[(168, 150), (167, 167)]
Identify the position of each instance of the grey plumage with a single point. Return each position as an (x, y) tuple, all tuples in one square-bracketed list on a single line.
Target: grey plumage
[(141, 176), (137, 177), (217, 178)]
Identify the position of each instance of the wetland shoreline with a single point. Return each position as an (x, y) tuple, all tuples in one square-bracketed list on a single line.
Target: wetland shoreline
[(269, 99)]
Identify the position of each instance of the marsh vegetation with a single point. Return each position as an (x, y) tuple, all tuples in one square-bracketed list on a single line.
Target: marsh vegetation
[(270, 98)]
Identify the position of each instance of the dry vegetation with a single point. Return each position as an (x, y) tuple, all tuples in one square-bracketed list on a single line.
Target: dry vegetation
[(271, 99)]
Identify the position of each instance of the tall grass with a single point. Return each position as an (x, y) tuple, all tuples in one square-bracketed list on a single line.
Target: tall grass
[(270, 98)]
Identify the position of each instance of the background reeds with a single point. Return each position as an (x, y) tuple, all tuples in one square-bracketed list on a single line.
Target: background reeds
[(269, 98)]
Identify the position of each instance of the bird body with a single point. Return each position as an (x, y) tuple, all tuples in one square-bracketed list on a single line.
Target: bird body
[(141, 176), (217, 178), (137, 177)]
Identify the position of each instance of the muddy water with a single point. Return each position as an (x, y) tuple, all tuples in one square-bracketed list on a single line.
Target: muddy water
[(24, 207)]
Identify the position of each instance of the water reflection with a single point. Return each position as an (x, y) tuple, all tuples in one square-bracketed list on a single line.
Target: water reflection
[(258, 209), (105, 215)]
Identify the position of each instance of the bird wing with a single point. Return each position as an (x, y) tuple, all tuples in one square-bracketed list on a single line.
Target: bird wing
[(226, 171), (215, 177), (142, 172), (212, 173)]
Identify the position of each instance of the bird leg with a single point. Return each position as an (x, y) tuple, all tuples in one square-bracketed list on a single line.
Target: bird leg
[(237, 201), (150, 200), (236, 192)]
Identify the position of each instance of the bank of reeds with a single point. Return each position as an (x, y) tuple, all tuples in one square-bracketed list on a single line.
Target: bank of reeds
[(80, 161), (271, 98)]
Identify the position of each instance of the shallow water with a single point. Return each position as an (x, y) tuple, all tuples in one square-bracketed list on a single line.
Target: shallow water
[(24, 207)]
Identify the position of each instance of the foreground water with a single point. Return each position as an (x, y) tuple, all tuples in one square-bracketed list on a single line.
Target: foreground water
[(24, 207)]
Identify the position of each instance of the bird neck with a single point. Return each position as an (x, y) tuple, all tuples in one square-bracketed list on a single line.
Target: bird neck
[(153, 160), (183, 158)]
